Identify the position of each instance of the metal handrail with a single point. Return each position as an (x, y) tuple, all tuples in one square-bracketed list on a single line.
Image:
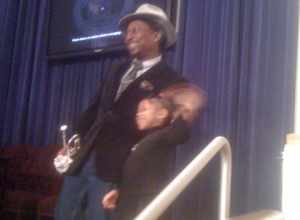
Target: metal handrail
[(169, 194)]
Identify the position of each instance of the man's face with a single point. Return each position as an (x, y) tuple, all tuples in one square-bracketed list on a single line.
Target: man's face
[(141, 40), (150, 114)]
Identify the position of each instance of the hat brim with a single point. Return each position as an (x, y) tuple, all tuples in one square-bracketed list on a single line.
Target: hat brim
[(166, 26)]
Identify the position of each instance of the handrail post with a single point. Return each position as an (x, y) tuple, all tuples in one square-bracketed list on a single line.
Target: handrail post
[(225, 183)]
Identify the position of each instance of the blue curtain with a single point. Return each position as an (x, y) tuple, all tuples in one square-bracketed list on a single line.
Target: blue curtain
[(241, 52), (37, 95)]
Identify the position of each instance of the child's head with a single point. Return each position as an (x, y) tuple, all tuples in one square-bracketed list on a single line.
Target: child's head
[(153, 113), (180, 100)]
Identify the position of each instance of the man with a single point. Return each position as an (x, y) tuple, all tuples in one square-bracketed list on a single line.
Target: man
[(107, 128)]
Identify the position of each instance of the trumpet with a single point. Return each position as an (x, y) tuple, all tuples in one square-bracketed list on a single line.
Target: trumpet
[(64, 159)]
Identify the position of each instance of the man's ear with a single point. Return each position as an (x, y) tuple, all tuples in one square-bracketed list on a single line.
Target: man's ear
[(158, 36)]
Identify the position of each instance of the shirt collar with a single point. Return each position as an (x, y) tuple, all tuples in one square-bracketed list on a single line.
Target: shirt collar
[(151, 62)]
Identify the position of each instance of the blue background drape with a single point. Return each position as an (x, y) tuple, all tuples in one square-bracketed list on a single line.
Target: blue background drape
[(241, 52)]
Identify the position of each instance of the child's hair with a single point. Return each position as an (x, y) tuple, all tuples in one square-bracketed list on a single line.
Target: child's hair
[(187, 100)]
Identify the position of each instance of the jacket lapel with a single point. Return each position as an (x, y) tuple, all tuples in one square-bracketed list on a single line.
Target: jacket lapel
[(145, 81)]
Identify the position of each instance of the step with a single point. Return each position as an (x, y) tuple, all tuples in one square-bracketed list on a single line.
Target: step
[(260, 215)]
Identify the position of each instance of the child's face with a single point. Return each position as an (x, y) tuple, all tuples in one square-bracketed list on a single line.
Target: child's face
[(150, 114)]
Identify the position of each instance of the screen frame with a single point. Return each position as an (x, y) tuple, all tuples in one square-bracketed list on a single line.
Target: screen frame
[(172, 9)]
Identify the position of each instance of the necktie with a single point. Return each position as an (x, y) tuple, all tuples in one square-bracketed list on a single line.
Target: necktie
[(129, 77)]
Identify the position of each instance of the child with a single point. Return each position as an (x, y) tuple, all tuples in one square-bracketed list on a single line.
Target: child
[(165, 119)]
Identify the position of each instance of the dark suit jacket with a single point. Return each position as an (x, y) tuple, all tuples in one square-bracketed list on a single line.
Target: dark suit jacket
[(150, 164), (107, 120), (149, 168)]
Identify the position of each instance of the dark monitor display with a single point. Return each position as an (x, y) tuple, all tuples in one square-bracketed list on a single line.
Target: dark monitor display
[(87, 27)]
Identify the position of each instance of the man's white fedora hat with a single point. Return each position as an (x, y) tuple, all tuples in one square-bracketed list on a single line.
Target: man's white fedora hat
[(155, 14)]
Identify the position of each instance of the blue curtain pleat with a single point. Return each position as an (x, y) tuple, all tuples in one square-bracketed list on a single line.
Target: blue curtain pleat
[(8, 11)]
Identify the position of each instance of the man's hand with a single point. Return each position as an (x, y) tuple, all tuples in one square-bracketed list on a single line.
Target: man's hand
[(62, 151), (110, 199)]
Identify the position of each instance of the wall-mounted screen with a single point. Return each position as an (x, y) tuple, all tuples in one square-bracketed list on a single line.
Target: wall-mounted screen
[(87, 27)]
